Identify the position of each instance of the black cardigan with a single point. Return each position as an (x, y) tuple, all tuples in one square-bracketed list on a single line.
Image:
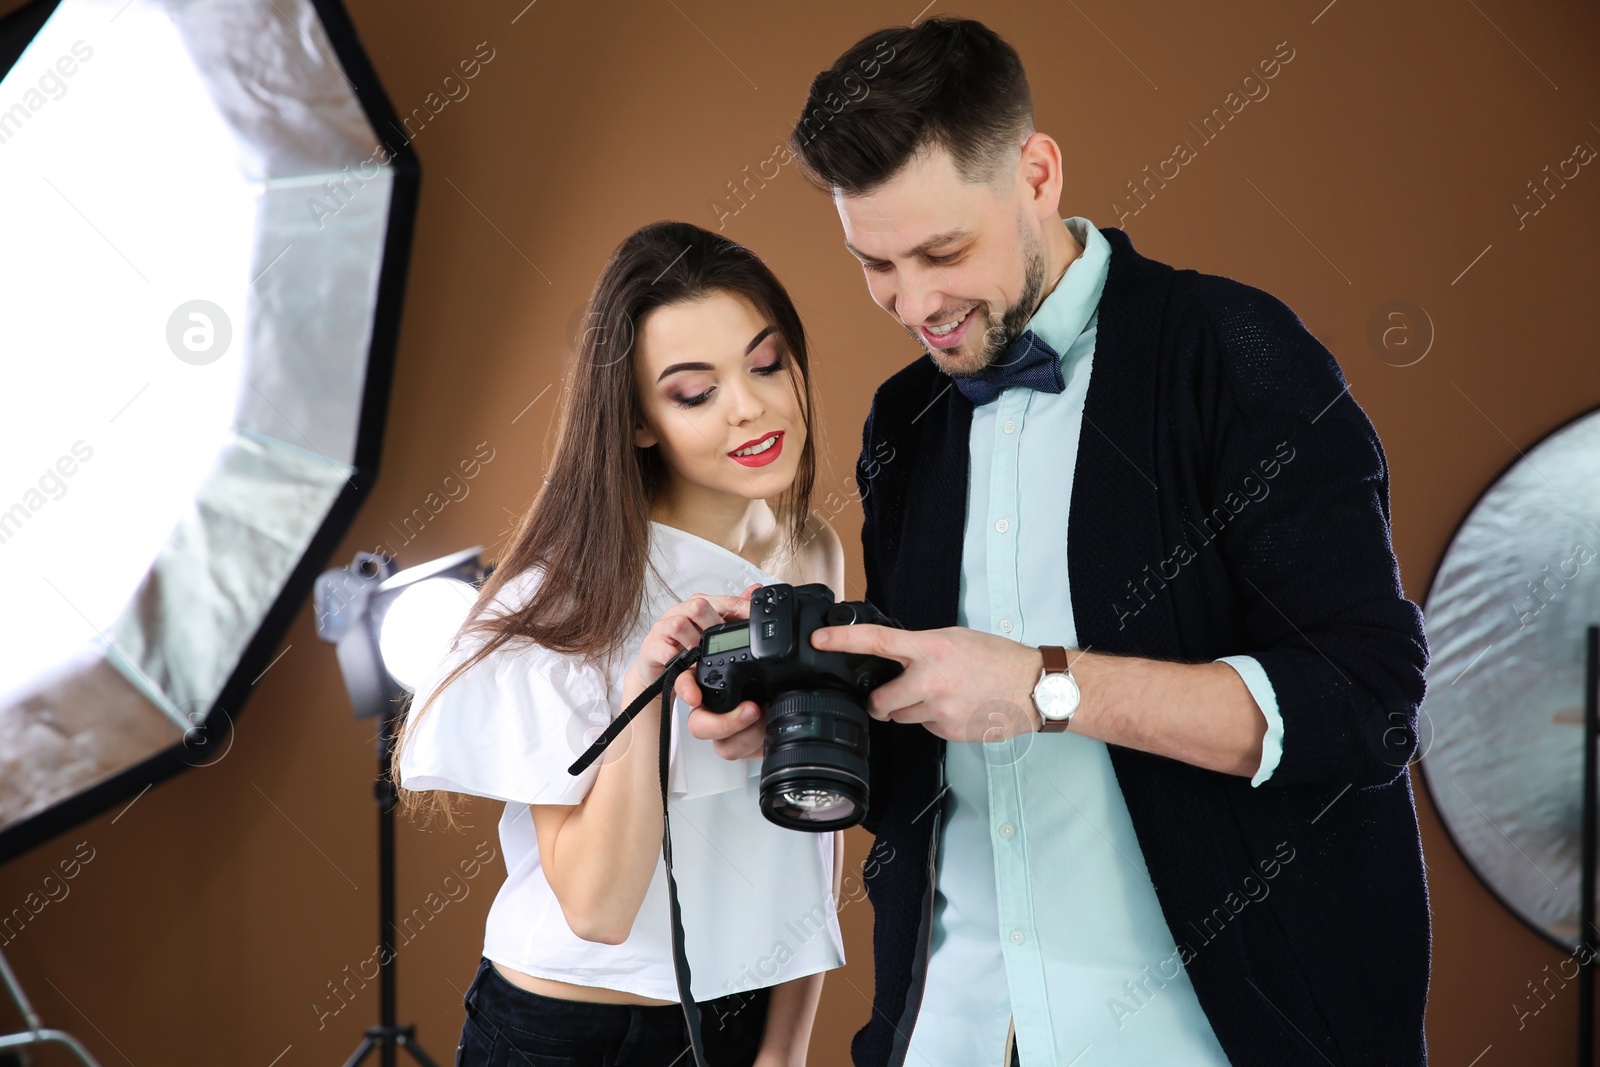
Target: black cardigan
[(1229, 496)]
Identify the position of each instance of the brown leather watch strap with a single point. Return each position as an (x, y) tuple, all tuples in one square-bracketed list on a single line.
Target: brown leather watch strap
[(1055, 662)]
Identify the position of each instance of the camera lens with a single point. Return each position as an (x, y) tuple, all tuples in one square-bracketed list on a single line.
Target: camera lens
[(814, 772)]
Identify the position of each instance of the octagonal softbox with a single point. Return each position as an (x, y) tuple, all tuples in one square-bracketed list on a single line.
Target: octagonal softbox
[(208, 220)]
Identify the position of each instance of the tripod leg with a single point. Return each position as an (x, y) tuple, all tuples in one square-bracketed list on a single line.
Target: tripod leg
[(416, 1052), (366, 1046), (37, 1034), (26, 1040)]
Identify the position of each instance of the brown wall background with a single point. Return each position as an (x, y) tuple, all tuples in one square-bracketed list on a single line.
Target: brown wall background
[(1383, 165)]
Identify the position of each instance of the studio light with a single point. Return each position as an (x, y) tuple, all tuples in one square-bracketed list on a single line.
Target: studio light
[(391, 628)]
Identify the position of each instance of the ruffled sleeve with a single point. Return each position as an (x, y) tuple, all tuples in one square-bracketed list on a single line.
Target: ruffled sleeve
[(508, 727)]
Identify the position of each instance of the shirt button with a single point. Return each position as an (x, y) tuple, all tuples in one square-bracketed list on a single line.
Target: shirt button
[(1006, 829), (1002, 525), (1016, 937), (1005, 625), (1010, 426)]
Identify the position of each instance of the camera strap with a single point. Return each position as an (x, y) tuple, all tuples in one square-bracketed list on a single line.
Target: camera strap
[(663, 685)]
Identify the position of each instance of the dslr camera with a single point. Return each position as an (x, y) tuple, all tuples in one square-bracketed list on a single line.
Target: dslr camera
[(814, 762)]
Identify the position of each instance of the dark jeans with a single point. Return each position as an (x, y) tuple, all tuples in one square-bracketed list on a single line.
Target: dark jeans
[(508, 1026)]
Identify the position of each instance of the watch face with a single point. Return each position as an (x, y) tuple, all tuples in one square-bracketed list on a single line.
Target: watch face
[(1056, 695)]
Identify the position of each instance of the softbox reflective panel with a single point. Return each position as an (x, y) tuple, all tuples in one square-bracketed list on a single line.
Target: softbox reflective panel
[(1507, 619)]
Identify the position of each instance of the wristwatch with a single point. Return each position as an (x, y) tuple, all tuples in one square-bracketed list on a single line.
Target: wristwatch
[(1056, 693)]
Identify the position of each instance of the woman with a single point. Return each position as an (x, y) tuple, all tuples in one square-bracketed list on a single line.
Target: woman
[(681, 482)]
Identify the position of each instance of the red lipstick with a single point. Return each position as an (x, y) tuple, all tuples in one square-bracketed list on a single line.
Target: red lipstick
[(762, 458)]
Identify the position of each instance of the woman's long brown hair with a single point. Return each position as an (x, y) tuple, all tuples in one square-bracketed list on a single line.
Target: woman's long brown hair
[(588, 528)]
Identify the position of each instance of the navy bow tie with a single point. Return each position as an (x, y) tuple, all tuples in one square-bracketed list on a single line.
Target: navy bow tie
[(1026, 361)]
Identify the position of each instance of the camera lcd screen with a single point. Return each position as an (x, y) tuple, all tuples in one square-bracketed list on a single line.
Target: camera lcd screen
[(739, 638)]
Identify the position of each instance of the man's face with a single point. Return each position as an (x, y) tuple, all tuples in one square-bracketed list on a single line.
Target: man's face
[(938, 251)]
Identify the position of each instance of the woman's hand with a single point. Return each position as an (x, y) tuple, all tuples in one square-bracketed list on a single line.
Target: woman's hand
[(679, 628), (738, 734)]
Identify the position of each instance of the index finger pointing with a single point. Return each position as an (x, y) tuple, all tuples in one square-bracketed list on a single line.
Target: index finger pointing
[(729, 607), (859, 637)]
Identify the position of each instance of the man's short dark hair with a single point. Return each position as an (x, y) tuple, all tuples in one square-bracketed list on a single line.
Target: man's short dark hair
[(949, 83)]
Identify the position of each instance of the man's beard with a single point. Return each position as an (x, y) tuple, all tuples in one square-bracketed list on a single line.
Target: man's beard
[(998, 334)]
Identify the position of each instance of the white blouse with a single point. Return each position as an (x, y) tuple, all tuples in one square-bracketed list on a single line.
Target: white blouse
[(757, 899)]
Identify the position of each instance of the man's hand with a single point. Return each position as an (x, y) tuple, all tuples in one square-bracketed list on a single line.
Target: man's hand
[(738, 734), (962, 684)]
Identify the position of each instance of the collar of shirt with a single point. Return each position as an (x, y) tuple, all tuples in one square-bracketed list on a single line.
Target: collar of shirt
[(1065, 313)]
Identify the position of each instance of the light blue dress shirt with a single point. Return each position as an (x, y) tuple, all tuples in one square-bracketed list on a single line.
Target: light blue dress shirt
[(1092, 977)]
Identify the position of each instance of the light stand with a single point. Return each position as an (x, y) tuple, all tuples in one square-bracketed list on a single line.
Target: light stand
[(36, 1033), (387, 1034), (353, 604)]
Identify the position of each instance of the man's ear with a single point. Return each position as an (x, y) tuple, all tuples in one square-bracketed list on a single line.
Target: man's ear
[(644, 437), (1039, 169)]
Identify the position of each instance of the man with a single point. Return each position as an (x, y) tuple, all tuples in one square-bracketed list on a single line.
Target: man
[(1144, 775)]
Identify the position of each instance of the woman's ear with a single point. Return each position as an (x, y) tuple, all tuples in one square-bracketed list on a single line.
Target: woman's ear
[(644, 437)]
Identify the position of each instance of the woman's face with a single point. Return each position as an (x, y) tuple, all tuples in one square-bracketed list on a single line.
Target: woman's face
[(718, 385)]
